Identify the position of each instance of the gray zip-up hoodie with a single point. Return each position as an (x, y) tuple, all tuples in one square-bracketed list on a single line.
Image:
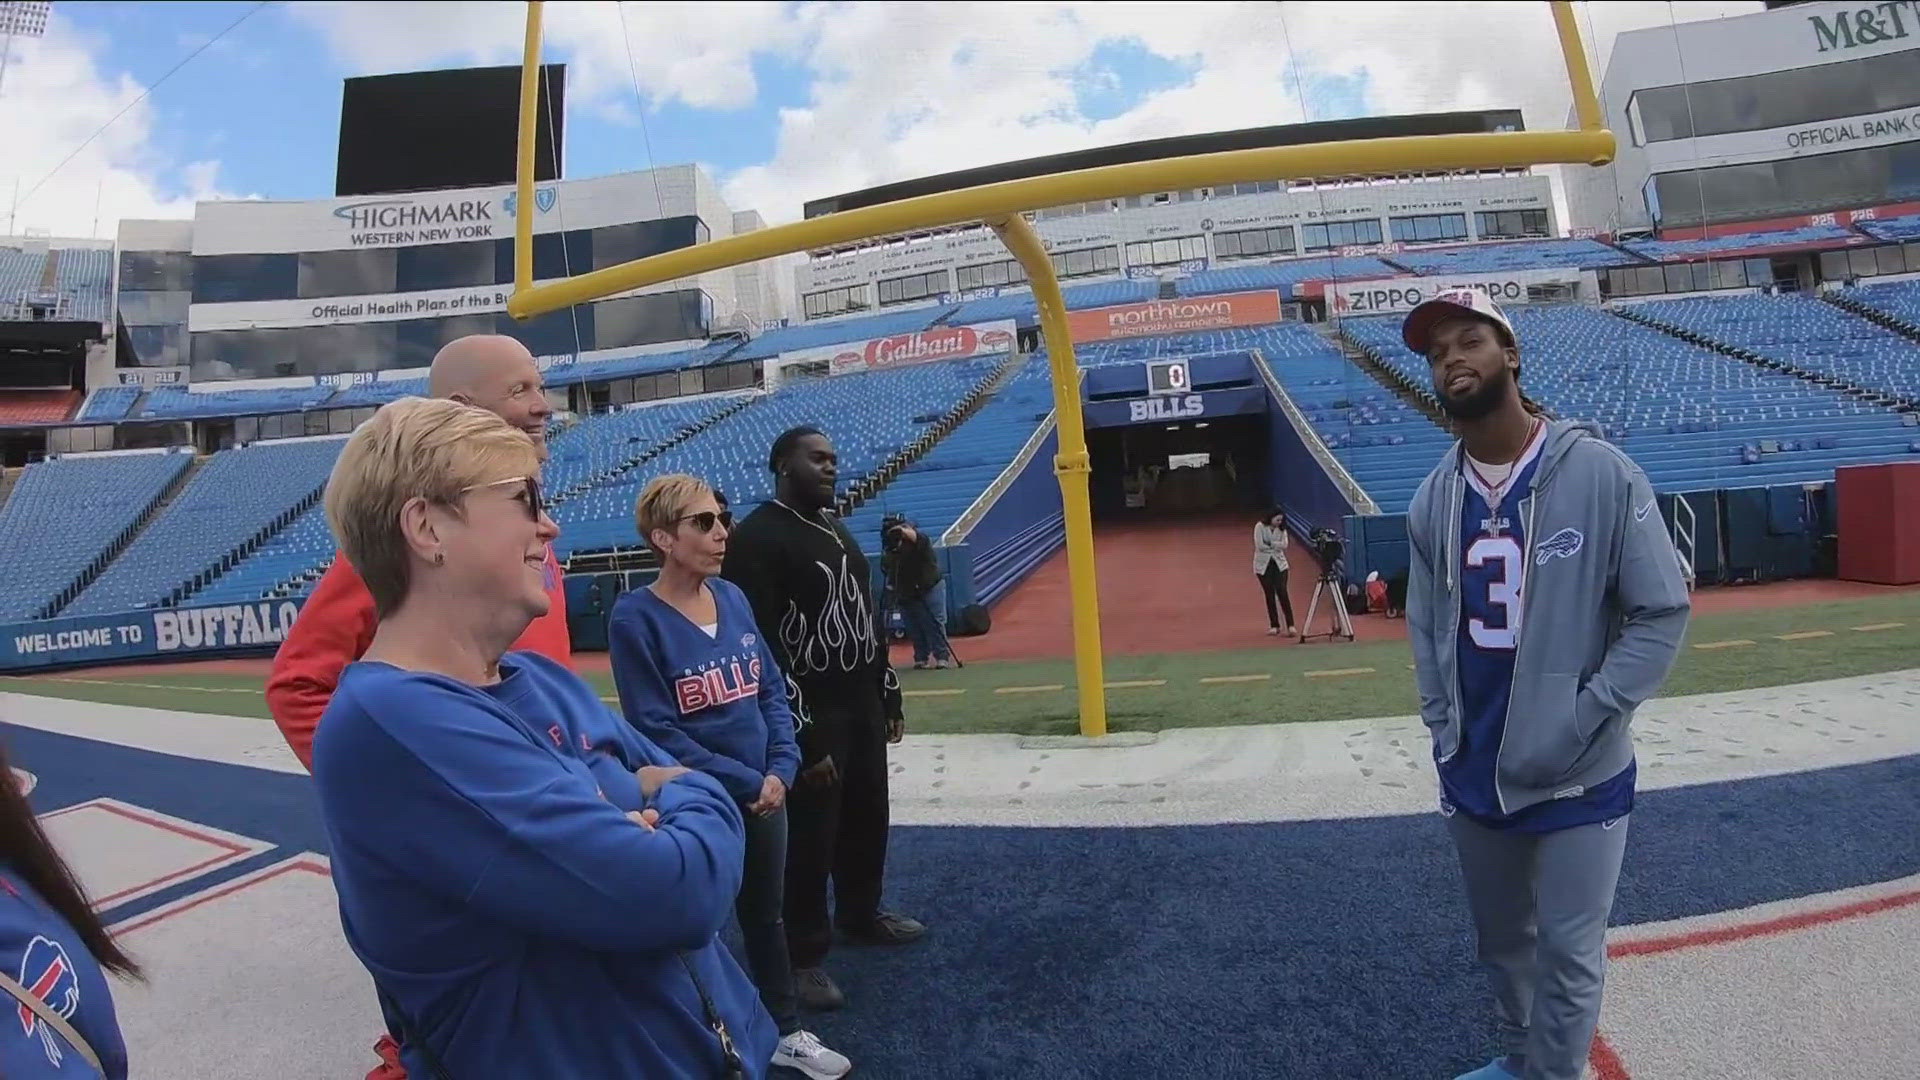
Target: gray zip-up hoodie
[(1603, 612)]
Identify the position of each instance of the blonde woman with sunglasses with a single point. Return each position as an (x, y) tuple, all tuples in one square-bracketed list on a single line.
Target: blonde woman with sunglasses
[(535, 888), (696, 678)]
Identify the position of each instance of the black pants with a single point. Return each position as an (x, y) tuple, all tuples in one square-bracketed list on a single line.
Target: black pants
[(838, 832), (759, 907), (1273, 582)]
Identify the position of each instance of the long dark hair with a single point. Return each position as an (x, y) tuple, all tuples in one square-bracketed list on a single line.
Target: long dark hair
[(25, 849)]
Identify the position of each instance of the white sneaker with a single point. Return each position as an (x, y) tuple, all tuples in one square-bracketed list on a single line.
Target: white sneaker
[(802, 1052)]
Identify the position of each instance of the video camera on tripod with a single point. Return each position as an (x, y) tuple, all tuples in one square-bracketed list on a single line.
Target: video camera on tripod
[(1327, 548)]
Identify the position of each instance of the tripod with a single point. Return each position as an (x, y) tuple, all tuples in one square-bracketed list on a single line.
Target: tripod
[(1341, 625)]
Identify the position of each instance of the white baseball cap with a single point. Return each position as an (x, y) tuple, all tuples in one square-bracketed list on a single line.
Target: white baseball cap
[(1417, 330)]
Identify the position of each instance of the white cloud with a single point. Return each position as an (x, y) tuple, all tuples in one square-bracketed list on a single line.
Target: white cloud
[(54, 98), (910, 90)]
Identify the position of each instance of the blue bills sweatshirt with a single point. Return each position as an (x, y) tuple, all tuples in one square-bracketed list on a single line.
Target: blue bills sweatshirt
[(712, 697), (490, 881)]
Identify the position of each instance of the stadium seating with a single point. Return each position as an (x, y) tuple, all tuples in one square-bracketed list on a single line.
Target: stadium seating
[(834, 331), (37, 406), (1896, 299), (1691, 417), (1513, 255), (1891, 229), (1672, 250), (599, 444), (1803, 332), (66, 513), (20, 274), (109, 403), (935, 490), (199, 402), (286, 565), (230, 500), (1284, 275), (84, 277), (869, 416)]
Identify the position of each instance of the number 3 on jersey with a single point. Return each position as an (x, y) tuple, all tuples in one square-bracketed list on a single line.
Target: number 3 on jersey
[(1506, 570)]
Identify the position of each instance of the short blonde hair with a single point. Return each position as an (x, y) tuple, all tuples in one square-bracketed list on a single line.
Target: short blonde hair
[(413, 448), (664, 502)]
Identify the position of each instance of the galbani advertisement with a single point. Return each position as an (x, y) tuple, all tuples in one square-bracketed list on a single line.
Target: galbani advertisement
[(933, 343), (1177, 316)]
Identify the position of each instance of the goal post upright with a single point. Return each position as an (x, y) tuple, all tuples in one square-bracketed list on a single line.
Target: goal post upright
[(1000, 206)]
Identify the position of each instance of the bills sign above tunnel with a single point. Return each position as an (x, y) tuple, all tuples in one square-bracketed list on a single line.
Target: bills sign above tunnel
[(896, 350), (223, 629), (1176, 408), (1395, 296)]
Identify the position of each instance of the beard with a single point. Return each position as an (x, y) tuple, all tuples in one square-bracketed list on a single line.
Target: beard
[(1482, 400)]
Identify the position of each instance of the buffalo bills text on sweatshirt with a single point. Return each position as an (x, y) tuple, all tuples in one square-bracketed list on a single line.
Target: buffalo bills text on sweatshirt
[(713, 697), (812, 594), (41, 951), (492, 885)]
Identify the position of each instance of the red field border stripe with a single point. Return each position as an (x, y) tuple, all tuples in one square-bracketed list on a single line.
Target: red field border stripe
[(232, 849), (1606, 1062), (1766, 928), (309, 863)]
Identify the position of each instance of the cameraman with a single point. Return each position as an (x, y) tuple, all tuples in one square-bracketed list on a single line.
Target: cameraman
[(913, 573)]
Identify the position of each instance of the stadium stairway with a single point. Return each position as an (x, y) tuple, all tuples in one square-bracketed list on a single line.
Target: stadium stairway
[(870, 486), (125, 540), (1841, 299), (1418, 397), (648, 451), (188, 589), (1748, 356)]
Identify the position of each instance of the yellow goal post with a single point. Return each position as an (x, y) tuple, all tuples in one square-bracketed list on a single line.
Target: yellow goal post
[(1001, 205)]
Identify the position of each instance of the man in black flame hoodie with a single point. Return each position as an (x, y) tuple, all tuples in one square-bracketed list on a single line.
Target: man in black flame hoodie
[(812, 597)]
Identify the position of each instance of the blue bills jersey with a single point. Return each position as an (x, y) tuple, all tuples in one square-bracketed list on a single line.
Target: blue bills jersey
[(1493, 582)]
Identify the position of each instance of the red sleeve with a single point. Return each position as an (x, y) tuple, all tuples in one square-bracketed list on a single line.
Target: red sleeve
[(333, 630)]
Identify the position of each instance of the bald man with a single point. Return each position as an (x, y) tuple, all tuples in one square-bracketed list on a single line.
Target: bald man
[(489, 371)]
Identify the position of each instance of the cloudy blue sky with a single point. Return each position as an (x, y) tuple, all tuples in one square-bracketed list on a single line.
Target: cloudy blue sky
[(124, 109)]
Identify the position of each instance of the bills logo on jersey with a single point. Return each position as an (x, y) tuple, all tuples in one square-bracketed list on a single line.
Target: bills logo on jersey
[(1564, 544), (47, 974), (721, 684)]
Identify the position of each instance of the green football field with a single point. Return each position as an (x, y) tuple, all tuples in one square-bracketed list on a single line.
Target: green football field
[(1283, 683)]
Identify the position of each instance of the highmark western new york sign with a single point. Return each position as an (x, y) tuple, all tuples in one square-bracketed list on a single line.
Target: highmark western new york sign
[(1867, 25)]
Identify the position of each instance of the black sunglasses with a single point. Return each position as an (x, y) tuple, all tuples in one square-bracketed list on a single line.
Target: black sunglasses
[(536, 505), (706, 519)]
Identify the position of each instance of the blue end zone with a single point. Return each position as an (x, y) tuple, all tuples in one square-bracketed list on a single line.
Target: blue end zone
[(1332, 948)]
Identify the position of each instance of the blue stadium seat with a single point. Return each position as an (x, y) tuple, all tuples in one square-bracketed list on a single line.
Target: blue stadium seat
[(66, 512), (870, 417), (1692, 417), (201, 401), (109, 403), (1513, 255), (1671, 250), (1802, 332), (934, 491), (233, 497)]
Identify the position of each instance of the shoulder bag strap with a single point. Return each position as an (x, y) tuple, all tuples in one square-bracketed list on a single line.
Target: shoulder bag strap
[(409, 1038), (730, 1054), (52, 1019)]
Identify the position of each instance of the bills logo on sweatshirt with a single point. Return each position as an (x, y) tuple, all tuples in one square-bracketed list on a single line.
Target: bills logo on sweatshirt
[(48, 975), (725, 682)]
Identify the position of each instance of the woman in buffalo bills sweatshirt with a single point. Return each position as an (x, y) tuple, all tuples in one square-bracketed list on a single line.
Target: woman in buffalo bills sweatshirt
[(697, 679)]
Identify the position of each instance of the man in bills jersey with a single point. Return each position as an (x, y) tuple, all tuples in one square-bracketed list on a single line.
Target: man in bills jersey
[(1545, 602)]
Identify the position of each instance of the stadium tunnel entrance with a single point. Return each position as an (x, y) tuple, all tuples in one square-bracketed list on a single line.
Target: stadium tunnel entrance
[(1176, 438)]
